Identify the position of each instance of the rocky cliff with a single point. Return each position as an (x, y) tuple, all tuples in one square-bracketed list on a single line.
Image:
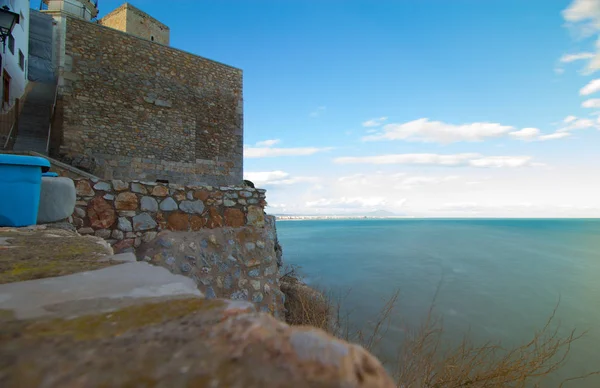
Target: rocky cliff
[(75, 315)]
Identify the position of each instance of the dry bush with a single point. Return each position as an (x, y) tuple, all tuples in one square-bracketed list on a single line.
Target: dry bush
[(421, 361), (305, 305)]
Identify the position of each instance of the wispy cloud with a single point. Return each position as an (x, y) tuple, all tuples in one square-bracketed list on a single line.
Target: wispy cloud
[(554, 136), (274, 178), (318, 112), (451, 160), (583, 17), (526, 134), (425, 130), (592, 87), (568, 58), (265, 149), (591, 103), (268, 143), (374, 122)]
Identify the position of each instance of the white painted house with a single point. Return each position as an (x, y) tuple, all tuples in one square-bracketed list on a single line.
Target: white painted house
[(14, 55)]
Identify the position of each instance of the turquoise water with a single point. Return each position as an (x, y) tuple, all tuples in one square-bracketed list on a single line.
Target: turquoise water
[(499, 279)]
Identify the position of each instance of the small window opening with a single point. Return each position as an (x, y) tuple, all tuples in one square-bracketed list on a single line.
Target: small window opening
[(152, 38), (162, 181)]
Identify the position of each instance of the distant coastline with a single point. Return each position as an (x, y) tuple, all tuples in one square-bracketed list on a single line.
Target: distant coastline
[(321, 217)]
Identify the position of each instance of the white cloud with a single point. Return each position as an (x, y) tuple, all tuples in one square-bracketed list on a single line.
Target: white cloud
[(268, 143), (559, 70), (569, 119), (374, 122), (265, 149), (318, 112), (453, 160), (592, 87), (424, 130), (583, 17), (567, 58), (501, 161), (583, 11), (555, 136), (273, 178), (575, 123), (525, 134), (270, 152), (591, 103)]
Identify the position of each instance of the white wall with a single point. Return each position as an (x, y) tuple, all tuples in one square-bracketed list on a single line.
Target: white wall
[(10, 61)]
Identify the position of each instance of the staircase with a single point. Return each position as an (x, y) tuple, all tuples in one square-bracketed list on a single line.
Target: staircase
[(34, 121)]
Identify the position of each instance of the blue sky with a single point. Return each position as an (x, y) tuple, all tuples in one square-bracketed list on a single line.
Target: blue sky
[(422, 107)]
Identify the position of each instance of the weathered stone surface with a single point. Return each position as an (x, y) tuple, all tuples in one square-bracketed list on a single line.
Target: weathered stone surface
[(178, 221), (143, 221), (228, 202), (160, 191), (117, 235), (102, 186), (149, 236), (138, 188), (234, 218), (215, 220), (126, 201), (148, 204), (192, 207), (197, 222), (168, 204), (103, 233), (220, 263), (216, 343), (125, 224), (124, 245), (36, 253), (133, 280), (86, 230), (256, 216), (156, 124), (101, 213), (120, 185), (84, 189), (202, 195)]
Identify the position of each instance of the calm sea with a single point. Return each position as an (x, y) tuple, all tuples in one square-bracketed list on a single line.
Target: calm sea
[(499, 279)]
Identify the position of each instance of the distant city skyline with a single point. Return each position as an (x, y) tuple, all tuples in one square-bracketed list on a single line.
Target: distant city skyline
[(423, 108)]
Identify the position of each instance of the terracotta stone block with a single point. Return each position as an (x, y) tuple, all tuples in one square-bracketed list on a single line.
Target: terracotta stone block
[(215, 220), (126, 201), (197, 223), (101, 214), (201, 195), (234, 218), (178, 221)]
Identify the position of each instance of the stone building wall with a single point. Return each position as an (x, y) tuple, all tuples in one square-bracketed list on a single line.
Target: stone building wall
[(127, 213), (218, 236), (145, 111), (129, 19)]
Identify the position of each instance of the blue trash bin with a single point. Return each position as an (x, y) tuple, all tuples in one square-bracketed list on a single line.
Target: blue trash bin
[(20, 184)]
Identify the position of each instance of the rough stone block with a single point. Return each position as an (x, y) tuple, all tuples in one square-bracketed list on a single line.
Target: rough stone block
[(57, 199)]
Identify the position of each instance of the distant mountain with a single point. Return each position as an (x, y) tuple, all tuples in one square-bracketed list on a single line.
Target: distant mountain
[(376, 213)]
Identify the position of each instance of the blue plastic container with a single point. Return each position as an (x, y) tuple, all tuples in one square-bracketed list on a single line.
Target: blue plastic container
[(20, 185), (50, 174)]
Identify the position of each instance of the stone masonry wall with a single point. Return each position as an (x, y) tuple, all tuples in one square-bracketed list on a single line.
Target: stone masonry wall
[(146, 111), (127, 213), (218, 236), (130, 19)]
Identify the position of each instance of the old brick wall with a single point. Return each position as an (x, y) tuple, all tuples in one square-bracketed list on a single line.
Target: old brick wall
[(147, 111)]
